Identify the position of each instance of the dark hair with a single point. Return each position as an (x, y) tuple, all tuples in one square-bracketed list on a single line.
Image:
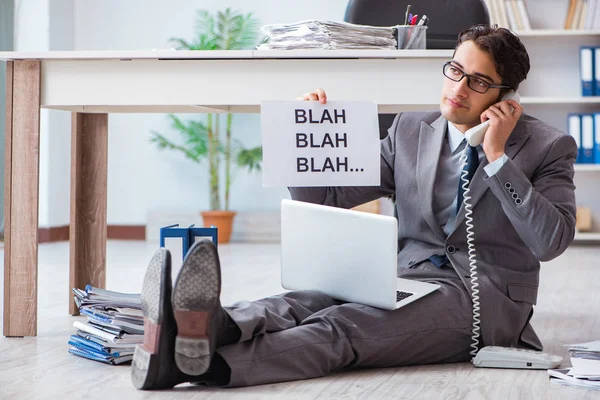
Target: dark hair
[(510, 56)]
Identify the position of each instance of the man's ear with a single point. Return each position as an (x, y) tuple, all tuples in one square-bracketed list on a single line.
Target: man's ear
[(501, 94)]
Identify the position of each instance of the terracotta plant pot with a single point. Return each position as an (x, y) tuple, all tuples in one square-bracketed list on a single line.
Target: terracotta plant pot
[(223, 220)]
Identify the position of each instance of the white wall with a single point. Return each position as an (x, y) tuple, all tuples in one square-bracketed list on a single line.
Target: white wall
[(32, 33), (7, 43), (62, 29), (41, 25), (140, 178), (32, 25)]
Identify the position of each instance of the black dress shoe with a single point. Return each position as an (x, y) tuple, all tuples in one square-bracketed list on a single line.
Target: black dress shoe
[(197, 308), (153, 364)]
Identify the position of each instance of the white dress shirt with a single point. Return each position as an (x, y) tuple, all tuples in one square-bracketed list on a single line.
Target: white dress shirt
[(448, 175)]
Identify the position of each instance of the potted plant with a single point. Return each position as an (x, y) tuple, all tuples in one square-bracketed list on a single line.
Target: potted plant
[(204, 139)]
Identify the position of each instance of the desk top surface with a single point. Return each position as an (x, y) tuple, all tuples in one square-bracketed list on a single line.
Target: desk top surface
[(170, 54)]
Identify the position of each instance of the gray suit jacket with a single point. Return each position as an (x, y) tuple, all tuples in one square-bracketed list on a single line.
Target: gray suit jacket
[(522, 215)]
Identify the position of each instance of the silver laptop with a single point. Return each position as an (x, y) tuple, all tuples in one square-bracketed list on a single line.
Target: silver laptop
[(349, 255)]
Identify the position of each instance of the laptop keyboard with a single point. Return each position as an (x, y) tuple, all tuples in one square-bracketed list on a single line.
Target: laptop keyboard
[(402, 295)]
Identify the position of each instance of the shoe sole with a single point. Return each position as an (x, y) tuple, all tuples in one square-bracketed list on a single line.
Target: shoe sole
[(195, 300), (148, 357)]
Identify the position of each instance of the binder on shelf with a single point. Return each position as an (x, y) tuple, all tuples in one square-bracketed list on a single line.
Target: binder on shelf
[(574, 129), (597, 68), (586, 71), (582, 14), (502, 15), (570, 14), (591, 15), (597, 138), (526, 23), (587, 138), (511, 16)]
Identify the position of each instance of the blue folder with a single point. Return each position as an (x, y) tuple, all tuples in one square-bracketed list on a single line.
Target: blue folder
[(94, 351), (78, 341), (597, 138), (95, 357), (85, 344), (587, 138), (586, 70), (574, 129), (597, 71), (187, 235)]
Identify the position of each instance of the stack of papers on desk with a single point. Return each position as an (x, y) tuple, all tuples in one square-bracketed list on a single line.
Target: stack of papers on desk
[(313, 34), (585, 370), (114, 326)]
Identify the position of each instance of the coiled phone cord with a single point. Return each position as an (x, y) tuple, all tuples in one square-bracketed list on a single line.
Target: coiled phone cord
[(472, 253)]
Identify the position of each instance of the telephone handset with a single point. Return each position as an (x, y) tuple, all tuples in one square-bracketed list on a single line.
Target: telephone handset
[(492, 356), (475, 135)]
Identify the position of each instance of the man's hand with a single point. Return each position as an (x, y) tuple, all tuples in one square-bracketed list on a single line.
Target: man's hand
[(502, 123), (318, 95)]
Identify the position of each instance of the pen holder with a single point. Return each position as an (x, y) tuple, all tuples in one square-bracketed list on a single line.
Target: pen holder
[(411, 36)]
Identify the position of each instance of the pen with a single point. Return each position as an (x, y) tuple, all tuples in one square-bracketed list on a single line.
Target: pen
[(406, 14), (417, 34), (413, 21)]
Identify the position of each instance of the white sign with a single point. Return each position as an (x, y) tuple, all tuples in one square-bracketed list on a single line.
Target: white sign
[(306, 143)]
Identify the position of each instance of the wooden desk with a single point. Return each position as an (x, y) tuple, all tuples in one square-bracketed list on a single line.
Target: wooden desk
[(93, 84)]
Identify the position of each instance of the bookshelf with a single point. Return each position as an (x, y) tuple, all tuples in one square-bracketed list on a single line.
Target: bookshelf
[(546, 17), (552, 89)]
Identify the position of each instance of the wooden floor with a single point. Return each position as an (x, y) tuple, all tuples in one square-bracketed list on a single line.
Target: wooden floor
[(568, 311)]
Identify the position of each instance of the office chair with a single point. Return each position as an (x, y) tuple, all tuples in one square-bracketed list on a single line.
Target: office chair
[(447, 18)]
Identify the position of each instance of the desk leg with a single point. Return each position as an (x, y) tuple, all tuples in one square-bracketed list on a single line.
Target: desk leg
[(22, 145), (87, 233)]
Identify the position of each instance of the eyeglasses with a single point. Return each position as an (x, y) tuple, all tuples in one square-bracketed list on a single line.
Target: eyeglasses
[(476, 83)]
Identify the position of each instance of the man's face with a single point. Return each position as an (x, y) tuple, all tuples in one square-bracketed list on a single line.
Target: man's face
[(460, 104)]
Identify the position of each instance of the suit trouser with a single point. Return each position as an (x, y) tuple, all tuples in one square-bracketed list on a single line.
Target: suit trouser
[(304, 334)]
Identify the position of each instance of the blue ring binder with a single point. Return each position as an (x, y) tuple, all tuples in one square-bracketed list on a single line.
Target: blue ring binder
[(187, 235)]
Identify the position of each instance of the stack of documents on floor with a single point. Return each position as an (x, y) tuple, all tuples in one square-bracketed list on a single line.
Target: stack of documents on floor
[(313, 34), (585, 370), (114, 326)]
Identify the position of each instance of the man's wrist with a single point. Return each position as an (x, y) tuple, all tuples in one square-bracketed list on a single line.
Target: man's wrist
[(493, 156), (493, 167)]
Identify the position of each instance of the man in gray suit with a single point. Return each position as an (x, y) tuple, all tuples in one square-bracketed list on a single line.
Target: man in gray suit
[(523, 204)]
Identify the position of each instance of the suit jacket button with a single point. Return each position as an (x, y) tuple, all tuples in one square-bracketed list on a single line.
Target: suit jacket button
[(451, 249), (507, 185)]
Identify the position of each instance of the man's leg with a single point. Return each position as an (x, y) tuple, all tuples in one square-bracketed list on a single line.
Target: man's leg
[(277, 313), (186, 323), (434, 329)]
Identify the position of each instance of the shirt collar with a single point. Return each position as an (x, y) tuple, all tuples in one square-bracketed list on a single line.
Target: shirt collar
[(455, 137)]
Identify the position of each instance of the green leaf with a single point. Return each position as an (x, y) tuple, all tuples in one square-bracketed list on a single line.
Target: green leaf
[(165, 144), (250, 158), (194, 134), (244, 32), (229, 30), (182, 44), (223, 30)]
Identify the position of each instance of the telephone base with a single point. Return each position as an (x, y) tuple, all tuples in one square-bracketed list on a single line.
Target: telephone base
[(511, 357)]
